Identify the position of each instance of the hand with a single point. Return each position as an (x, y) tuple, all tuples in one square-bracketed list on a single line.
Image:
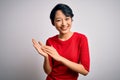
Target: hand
[(52, 52), (38, 46)]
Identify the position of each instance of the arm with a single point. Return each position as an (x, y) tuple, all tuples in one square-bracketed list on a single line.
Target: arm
[(38, 47), (72, 65), (46, 65)]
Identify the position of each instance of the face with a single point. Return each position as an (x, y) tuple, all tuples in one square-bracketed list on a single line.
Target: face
[(62, 23)]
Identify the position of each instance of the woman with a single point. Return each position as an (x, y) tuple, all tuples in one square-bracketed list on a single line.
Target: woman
[(65, 54)]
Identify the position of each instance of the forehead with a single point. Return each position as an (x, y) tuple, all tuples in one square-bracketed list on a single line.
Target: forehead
[(59, 13)]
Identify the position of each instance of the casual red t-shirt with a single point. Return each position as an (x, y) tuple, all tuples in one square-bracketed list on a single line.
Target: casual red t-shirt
[(74, 49)]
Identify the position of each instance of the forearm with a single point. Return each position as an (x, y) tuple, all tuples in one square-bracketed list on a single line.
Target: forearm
[(74, 66), (46, 65)]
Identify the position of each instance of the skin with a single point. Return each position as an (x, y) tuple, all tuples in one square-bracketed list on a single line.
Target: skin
[(63, 25)]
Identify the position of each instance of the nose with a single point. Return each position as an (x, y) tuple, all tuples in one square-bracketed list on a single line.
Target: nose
[(64, 23)]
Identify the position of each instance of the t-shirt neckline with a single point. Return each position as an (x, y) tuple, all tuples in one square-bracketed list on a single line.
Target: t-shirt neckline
[(65, 41)]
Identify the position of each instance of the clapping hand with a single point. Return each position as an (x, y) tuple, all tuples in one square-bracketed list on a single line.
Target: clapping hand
[(46, 50), (38, 46)]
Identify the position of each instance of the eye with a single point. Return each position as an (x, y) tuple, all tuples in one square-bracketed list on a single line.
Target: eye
[(67, 18), (58, 20)]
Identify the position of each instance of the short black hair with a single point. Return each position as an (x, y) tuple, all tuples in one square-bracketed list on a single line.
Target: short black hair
[(67, 11)]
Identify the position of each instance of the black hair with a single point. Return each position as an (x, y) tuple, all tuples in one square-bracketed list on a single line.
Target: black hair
[(67, 11)]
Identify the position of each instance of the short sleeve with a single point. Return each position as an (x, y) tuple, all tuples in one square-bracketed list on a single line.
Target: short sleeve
[(84, 53)]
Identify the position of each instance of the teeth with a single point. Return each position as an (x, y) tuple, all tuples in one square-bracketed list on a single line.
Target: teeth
[(64, 28)]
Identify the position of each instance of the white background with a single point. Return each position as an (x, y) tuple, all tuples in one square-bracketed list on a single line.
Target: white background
[(22, 20)]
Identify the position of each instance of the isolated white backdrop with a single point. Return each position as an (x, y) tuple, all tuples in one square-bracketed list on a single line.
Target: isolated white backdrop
[(22, 20)]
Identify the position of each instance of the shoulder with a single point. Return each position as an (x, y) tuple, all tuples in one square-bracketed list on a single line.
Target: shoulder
[(79, 35), (51, 39), (82, 40)]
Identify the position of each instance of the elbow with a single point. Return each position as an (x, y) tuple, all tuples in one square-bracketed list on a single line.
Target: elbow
[(48, 72), (85, 74), (85, 71)]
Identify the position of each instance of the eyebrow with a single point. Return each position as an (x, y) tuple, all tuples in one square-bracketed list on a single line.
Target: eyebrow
[(57, 18), (60, 17)]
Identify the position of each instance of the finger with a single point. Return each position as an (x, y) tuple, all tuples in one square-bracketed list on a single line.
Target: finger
[(47, 47), (49, 54), (41, 44), (51, 45), (46, 50), (51, 48), (34, 41), (35, 46)]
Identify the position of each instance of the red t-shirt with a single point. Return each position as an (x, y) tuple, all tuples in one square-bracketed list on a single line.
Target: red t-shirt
[(74, 49)]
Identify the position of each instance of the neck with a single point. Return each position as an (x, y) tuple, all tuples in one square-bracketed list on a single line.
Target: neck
[(66, 36)]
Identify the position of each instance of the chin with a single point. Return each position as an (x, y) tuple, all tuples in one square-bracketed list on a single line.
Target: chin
[(64, 32)]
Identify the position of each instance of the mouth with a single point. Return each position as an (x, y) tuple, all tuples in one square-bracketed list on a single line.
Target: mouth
[(64, 28)]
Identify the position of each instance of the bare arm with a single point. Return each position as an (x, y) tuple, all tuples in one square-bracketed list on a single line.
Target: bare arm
[(72, 65), (46, 65)]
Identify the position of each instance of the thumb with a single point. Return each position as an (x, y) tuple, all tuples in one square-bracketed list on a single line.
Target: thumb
[(51, 45)]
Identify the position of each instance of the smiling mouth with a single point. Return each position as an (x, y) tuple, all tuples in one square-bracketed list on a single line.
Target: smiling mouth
[(64, 28)]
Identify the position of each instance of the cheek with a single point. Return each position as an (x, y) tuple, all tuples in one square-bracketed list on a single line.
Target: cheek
[(70, 22), (58, 24)]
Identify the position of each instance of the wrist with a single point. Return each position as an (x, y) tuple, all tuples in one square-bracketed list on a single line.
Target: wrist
[(46, 56), (61, 59)]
